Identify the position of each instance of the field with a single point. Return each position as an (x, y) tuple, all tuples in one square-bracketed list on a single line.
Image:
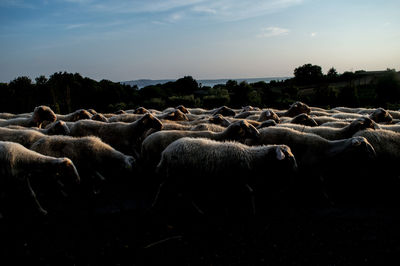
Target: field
[(347, 214)]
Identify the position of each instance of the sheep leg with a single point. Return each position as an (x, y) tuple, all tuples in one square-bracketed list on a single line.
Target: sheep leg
[(32, 195)]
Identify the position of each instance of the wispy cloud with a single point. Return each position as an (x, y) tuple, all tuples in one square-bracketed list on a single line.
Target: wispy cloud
[(75, 26), (222, 9), (272, 32), (313, 34), (17, 4)]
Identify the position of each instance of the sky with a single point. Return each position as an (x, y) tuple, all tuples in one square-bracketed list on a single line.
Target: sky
[(122, 40)]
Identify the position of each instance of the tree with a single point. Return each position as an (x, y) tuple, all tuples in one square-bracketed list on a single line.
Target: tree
[(332, 74), (308, 74)]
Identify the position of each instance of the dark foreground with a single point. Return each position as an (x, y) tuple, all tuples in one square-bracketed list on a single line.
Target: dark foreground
[(123, 233)]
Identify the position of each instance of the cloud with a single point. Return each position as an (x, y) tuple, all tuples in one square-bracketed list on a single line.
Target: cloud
[(75, 26), (313, 34), (272, 32), (17, 4), (226, 10)]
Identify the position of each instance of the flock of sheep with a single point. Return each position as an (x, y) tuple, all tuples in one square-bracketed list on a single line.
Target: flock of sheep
[(210, 161)]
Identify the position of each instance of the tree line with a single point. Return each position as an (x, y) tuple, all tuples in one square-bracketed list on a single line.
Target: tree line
[(65, 92)]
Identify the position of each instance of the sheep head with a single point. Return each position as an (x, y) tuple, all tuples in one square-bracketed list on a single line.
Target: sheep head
[(298, 108), (381, 115), (225, 111), (81, 114), (119, 112), (150, 121), (99, 117), (241, 130), (43, 113), (219, 120), (140, 110), (304, 119), (361, 124), (269, 114), (58, 128)]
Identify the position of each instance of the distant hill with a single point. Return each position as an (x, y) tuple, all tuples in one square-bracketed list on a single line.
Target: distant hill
[(141, 83)]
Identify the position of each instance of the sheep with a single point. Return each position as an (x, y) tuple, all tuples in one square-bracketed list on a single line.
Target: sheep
[(119, 112), (100, 117), (40, 114), (55, 128), (250, 108), (351, 110), (125, 137), (394, 114), (20, 167), (384, 177), (311, 151), (127, 118), (215, 176), (394, 128), (175, 126), (325, 119), (75, 116), (22, 136), (344, 116), (10, 115), (304, 119), (197, 111), (154, 144), (295, 109), (335, 133), (92, 111), (92, 157)]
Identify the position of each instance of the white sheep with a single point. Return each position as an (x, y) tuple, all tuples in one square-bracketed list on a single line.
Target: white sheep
[(92, 157), (22, 136), (55, 128), (295, 109), (40, 114), (154, 144), (330, 133), (20, 167), (75, 116), (125, 137), (216, 176)]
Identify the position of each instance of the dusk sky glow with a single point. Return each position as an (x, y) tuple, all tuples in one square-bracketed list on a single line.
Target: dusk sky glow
[(157, 39)]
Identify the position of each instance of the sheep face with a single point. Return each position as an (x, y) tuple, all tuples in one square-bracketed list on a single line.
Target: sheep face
[(298, 108), (150, 121), (58, 128), (219, 120), (99, 117), (381, 115), (361, 124), (141, 110), (81, 114), (268, 115), (225, 111), (247, 131), (176, 115), (304, 119), (43, 113), (182, 109)]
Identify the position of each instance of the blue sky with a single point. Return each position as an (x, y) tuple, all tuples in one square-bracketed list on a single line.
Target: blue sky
[(123, 40)]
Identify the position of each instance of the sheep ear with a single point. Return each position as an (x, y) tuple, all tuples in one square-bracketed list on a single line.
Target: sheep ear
[(279, 154)]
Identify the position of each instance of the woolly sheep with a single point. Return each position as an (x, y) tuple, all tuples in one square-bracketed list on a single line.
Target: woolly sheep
[(75, 116), (153, 145), (92, 157), (313, 153), (216, 175), (122, 136), (55, 128), (208, 127), (268, 123), (21, 166), (223, 110), (40, 114), (335, 133), (22, 136)]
